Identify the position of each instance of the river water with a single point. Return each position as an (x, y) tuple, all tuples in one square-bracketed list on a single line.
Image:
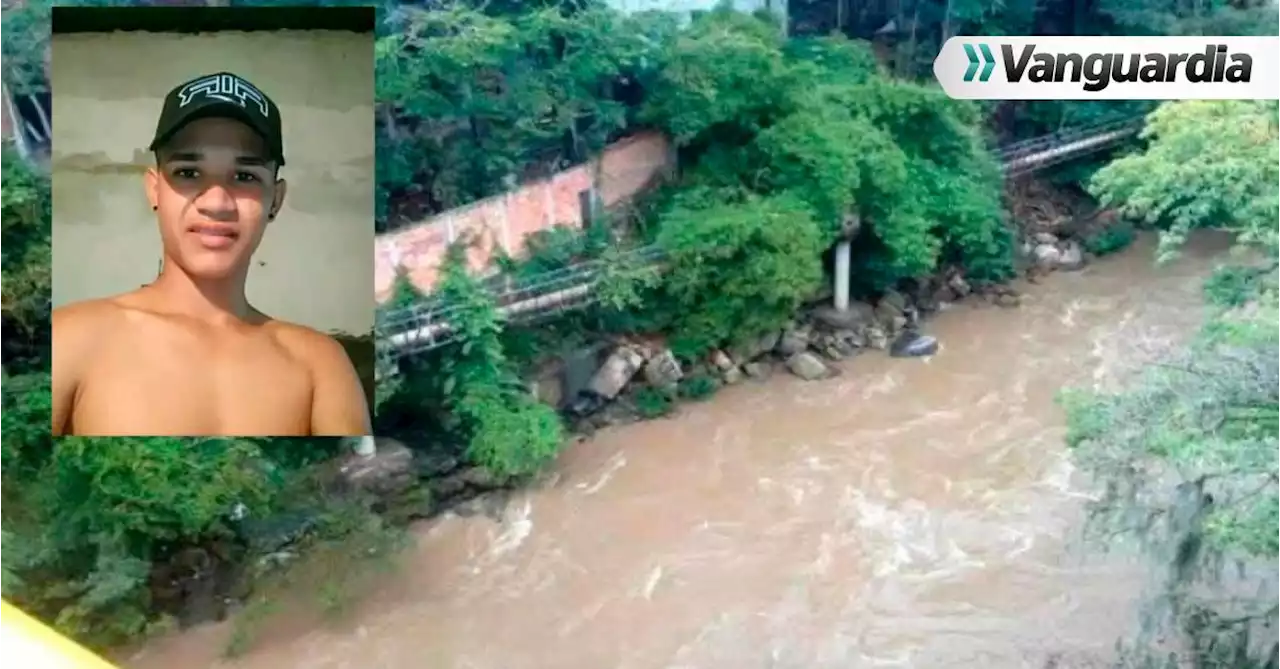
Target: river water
[(909, 513)]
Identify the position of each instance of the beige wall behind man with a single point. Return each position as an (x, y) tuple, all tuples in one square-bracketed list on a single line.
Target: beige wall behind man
[(315, 264)]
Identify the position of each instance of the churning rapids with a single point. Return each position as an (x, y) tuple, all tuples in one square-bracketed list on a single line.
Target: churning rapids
[(909, 513)]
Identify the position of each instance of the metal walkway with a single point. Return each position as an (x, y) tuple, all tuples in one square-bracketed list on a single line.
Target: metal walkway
[(426, 325)]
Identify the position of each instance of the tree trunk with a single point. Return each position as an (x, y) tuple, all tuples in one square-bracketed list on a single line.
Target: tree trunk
[(946, 24)]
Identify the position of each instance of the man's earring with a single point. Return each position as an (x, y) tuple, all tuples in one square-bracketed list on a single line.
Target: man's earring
[(271, 217), (155, 207)]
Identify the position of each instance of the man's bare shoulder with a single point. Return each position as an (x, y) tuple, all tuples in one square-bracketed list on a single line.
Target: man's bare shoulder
[(307, 344), (89, 314)]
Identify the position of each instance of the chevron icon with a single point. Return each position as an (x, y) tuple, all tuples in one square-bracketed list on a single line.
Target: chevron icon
[(988, 62)]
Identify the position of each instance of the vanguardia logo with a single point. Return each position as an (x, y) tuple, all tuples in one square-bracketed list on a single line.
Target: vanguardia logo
[(1098, 70), (1086, 67), (987, 63)]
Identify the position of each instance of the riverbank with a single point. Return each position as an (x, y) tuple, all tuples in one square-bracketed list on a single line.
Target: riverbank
[(596, 380), (906, 511)]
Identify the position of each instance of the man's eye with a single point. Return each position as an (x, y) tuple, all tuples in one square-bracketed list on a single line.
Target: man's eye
[(246, 177), (185, 173)]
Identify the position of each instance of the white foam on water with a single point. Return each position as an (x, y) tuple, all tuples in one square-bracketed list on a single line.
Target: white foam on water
[(617, 462), (517, 527)]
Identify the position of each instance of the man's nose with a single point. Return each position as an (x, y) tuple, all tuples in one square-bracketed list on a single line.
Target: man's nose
[(216, 202)]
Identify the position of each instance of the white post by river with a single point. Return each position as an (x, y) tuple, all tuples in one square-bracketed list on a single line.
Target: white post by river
[(844, 251)]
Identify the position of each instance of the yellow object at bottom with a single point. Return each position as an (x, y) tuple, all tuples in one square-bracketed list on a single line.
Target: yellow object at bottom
[(31, 644)]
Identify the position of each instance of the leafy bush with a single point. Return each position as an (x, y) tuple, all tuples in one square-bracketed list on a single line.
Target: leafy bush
[(1234, 285), (27, 418), (653, 402), (738, 270), (698, 386), (27, 257), (1111, 239), (96, 514), (507, 430)]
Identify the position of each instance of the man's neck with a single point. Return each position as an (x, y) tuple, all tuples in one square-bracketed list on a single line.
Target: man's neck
[(216, 301)]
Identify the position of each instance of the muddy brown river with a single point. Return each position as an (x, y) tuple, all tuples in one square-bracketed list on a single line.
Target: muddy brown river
[(909, 513)]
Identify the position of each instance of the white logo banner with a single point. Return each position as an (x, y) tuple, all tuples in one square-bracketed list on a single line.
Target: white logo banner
[(1110, 68)]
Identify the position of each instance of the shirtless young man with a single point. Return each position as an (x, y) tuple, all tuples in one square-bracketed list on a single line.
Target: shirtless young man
[(187, 355)]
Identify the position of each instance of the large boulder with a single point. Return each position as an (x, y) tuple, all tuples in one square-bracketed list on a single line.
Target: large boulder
[(1047, 256), (616, 372), (1072, 256), (389, 470), (663, 370), (858, 315), (807, 366), (793, 340)]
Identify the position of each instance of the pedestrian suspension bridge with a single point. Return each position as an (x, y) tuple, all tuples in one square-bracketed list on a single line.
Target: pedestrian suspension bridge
[(425, 326)]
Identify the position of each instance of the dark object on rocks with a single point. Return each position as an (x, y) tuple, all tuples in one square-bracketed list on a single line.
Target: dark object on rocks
[(912, 316), (585, 404), (912, 344)]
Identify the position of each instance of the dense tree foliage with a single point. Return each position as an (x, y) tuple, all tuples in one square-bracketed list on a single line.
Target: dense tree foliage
[(1188, 452), (473, 102), (581, 71), (1207, 164), (777, 165)]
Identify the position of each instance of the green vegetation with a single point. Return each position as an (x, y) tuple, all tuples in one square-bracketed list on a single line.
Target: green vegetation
[(1208, 164), (510, 91), (506, 429), (1187, 453), (1111, 239)]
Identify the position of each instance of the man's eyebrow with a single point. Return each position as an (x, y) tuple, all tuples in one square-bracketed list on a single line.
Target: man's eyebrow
[(184, 156), (196, 156), (253, 161)]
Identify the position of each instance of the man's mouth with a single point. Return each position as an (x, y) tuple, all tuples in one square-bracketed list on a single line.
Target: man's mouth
[(215, 235)]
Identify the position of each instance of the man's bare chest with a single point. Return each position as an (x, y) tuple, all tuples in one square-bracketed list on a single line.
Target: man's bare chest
[(171, 383)]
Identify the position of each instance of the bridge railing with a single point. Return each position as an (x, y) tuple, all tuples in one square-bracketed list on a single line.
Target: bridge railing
[(427, 324), (1020, 151)]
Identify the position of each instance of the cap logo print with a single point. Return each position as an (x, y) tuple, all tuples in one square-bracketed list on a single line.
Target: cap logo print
[(225, 87)]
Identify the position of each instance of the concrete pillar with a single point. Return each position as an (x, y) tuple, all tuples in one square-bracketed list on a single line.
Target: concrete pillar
[(844, 251), (365, 446)]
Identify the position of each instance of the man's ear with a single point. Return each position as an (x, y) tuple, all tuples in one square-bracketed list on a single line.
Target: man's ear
[(151, 184), (277, 201)]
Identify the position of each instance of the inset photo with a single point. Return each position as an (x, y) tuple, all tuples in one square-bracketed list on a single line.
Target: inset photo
[(213, 221)]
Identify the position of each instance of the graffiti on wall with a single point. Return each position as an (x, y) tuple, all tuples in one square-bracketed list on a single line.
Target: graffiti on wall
[(503, 222)]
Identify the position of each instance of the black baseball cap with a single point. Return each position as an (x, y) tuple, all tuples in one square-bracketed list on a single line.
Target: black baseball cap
[(221, 95)]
